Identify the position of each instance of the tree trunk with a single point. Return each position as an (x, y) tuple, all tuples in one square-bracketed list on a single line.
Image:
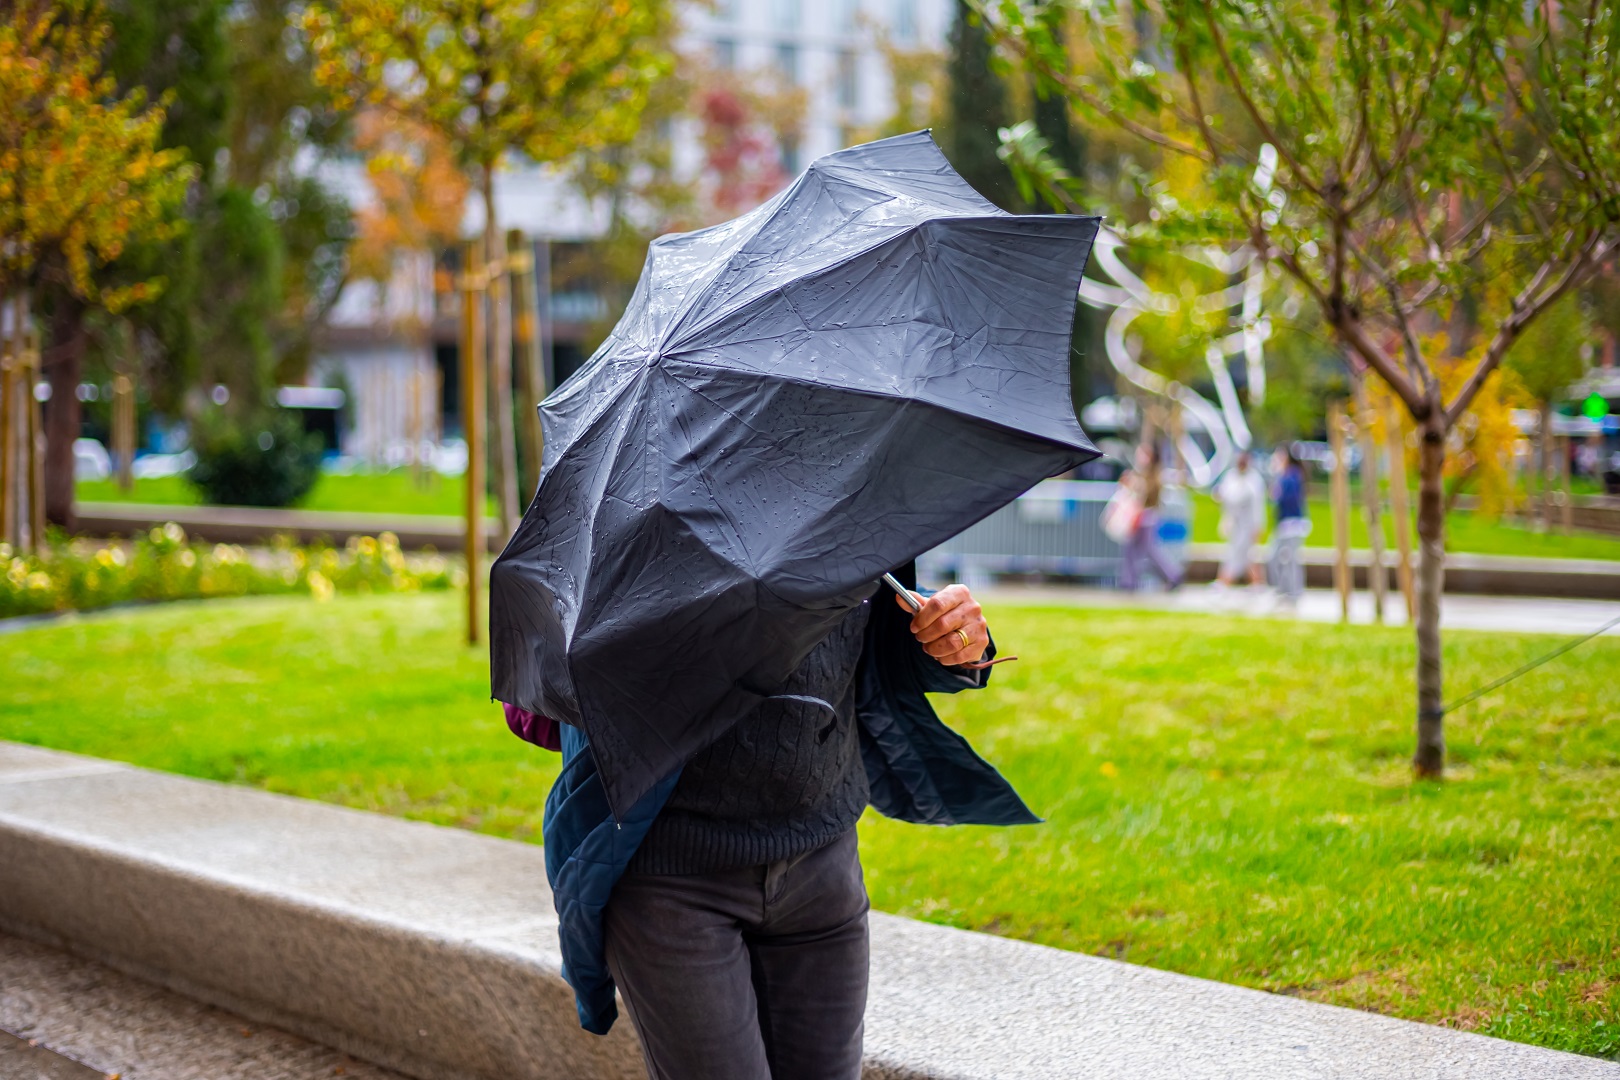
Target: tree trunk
[(63, 362), (504, 459), (1430, 759), (1545, 439), (531, 379)]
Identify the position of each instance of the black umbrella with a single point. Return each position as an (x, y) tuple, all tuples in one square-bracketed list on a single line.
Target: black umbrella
[(794, 402)]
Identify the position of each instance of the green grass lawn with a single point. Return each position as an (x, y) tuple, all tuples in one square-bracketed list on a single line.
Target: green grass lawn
[(1224, 797), (1465, 532), (395, 492)]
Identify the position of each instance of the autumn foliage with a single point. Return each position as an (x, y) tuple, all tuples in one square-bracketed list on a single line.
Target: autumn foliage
[(81, 172), (740, 154), (421, 196)]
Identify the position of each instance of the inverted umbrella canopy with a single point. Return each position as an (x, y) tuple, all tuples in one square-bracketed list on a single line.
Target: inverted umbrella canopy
[(794, 402)]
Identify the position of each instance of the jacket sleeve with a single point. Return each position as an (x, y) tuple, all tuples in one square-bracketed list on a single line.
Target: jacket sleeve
[(918, 769), (586, 852)]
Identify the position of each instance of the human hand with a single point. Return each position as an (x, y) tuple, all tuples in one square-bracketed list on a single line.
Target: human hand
[(950, 625)]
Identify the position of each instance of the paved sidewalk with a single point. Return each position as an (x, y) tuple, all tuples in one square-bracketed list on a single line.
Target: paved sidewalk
[(116, 1025), (1457, 612)]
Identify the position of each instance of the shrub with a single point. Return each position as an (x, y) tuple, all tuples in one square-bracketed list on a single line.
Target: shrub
[(265, 461), (162, 564)]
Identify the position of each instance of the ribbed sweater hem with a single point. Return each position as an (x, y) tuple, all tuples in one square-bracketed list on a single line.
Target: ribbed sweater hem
[(687, 844)]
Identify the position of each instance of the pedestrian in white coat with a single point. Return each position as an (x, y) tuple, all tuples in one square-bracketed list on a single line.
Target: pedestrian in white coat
[(1242, 495)]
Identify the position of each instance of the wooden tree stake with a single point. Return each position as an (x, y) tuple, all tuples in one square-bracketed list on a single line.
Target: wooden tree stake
[(1568, 451), (1341, 508), (10, 347), (35, 428), (472, 422), (1377, 575), (1399, 510)]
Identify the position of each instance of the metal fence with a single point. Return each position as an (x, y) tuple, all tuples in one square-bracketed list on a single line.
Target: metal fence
[(1055, 528)]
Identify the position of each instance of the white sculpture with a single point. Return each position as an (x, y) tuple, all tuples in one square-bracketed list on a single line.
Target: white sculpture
[(1130, 298)]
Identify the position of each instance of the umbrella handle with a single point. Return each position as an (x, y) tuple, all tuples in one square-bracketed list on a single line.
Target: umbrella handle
[(905, 594)]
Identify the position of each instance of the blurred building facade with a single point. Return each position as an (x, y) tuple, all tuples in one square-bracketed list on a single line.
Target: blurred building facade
[(830, 49), (392, 347)]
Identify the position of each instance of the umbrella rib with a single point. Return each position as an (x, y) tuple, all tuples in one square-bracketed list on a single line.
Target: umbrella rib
[(690, 303)]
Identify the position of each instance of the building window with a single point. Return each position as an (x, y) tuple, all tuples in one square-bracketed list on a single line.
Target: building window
[(905, 20), (787, 62), (785, 14), (725, 54), (849, 79), (790, 154)]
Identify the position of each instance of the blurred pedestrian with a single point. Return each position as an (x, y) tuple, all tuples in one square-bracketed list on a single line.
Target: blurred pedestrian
[(1132, 518), (1242, 495), (1293, 526)]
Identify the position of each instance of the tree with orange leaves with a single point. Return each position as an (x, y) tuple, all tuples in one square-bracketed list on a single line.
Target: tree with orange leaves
[(81, 176), (80, 170), (420, 194)]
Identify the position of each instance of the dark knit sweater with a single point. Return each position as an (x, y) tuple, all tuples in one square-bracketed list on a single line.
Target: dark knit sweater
[(787, 779)]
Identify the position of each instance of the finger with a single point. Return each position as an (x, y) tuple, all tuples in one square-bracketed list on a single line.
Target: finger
[(937, 605), (957, 657), (951, 648), (967, 617), (918, 598)]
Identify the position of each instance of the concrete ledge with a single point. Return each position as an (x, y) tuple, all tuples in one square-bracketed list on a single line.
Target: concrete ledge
[(257, 525), (433, 951), (1466, 574)]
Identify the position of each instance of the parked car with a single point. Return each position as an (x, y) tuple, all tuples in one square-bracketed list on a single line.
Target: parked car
[(90, 460)]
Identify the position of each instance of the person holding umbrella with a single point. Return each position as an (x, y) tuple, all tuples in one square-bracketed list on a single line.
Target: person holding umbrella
[(795, 405), (737, 934)]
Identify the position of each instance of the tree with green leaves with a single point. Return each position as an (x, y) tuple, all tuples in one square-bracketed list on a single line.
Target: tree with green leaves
[(543, 78), (1428, 155), (976, 108), (280, 119), (255, 255), (1050, 112)]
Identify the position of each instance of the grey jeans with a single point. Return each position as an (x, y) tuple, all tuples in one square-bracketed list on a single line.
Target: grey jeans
[(750, 974), (1287, 572)]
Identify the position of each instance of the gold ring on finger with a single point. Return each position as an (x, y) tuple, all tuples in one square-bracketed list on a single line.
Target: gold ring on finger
[(963, 635)]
